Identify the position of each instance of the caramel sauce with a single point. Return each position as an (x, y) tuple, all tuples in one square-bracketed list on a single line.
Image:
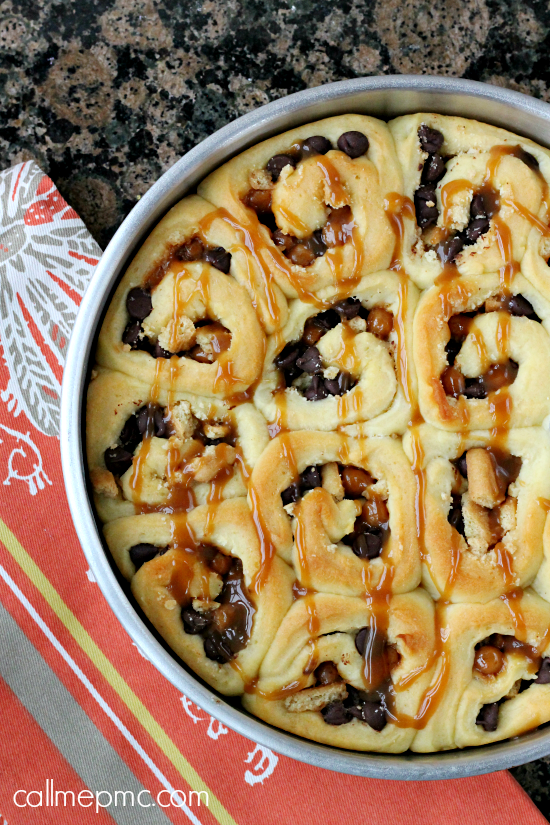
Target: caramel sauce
[(266, 256), (397, 208), (337, 195), (293, 220), (479, 343), (449, 192)]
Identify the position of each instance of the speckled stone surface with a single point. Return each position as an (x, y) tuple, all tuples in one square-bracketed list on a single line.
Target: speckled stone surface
[(106, 94)]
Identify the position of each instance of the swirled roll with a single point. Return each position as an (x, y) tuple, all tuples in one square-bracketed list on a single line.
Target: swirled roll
[(484, 511), (534, 264), (194, 578), (148, 450), (346, 364), (473, 191), (348, 681), (341, 510), (482, 354), (494, 675), (309, 203), (178, 319)]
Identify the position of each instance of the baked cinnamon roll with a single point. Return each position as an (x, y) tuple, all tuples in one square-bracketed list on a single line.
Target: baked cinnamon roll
[(494, 673), (195, 579), (310, 203), (473, 192), (482, 354), (346, 364), (484, 511), (178, 319), (341, 510), (151, 451), (348, 674)]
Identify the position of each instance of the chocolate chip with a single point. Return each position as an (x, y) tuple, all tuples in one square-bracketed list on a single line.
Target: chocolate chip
[(291, 494), (354, 144), (151, 421), (130, 435), (316, 145), (317, 244), (431, 140), (455, 517), (475, 388), (348, 308), (339, 385), (310, 361), (131, 334), (288, 356), (139, 303), (487, 717), (477, 207), (452, 349), (160, 352), (367, 545), (528, 159), (140, 553), (543, 676), (374, 714), (313, 332), (476, 228), (327, 673), (218, 257), (518, 305), (277, 163), (462, 465), (195, 622), (217, 648), (425, 204), (335, 713), (310, 478), (449, 249), (361, 640), (117, 460), (327, 319), (433, 169), (193, 250), (316, 390)]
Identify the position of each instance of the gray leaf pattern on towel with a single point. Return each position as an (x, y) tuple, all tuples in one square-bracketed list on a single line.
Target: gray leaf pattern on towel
[(47, 258)]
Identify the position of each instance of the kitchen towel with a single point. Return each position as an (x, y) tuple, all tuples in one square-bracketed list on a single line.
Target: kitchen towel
[(89, 730)]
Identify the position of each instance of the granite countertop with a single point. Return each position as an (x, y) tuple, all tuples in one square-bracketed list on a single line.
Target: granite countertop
[(107, 94)]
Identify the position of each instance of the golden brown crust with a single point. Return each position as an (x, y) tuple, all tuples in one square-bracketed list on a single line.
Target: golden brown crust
[(410, 630), (227, 526), (377, 403), (493, 338), (465, 690), (472, 568), (302, 197), (474, 149)]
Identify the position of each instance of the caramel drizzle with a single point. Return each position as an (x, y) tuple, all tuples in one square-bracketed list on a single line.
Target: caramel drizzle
[(450, 191), (397, 208)]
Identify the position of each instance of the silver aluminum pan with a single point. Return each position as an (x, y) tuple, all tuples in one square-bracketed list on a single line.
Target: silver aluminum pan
[(383, 97)]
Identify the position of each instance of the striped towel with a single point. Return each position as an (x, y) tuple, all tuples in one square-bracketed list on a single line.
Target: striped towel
[(90, 732)]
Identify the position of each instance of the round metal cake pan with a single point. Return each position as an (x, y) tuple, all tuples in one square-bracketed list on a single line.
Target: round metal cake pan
[(383, 97)]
